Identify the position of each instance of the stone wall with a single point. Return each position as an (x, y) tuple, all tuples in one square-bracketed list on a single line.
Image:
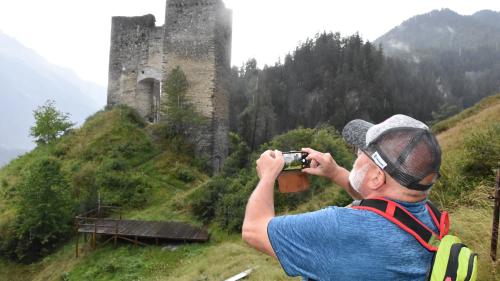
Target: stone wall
[(223, 38), (135, 64), (197, 38)]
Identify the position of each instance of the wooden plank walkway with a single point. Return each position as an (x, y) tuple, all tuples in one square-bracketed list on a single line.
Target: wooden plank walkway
[(97, 222), (146, 229)]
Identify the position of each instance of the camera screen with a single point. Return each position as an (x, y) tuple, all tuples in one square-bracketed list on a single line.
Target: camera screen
[(294, 161)]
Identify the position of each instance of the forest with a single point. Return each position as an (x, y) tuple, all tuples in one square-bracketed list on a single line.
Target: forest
[(332, 79)]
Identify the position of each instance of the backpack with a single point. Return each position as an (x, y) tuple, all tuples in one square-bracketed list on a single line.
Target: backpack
[(452, 259)]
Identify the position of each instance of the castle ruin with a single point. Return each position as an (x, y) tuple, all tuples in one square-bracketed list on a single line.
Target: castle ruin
[(196, 37)]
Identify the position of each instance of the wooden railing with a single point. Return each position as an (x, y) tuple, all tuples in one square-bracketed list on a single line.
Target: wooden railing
[(95, 219)]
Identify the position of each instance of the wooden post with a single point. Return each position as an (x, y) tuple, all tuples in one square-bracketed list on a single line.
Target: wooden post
[(135, 241), (116, 232), (98, 203), (77, 237), (496, 213), (94, 235)]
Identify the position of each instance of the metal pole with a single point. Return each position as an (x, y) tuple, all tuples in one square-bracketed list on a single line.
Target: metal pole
[(496, 213)]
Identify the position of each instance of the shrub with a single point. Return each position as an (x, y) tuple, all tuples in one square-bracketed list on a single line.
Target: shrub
[(206, 198), (183, 172), (85, 187), (122, 187), (230, 210), (132, 115), (239, 153), (482, 153)]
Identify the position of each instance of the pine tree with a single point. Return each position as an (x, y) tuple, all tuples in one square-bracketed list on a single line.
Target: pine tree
[(181, 118)]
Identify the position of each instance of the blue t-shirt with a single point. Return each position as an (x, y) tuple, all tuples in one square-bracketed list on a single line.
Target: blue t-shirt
[(347, 244)]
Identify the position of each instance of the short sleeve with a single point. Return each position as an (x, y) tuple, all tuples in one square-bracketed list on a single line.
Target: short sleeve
[(305, 243)]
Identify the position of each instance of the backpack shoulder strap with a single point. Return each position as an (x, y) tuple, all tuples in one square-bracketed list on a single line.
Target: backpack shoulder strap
[(441, 219), (398, 215)]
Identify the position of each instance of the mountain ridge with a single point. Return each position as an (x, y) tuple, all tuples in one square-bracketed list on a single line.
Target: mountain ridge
[(443, 29), (27, 80)]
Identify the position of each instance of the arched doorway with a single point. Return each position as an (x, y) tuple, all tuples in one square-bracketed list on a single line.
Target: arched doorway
[(148, 98)]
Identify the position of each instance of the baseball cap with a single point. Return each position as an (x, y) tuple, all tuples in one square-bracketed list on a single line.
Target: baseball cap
[(402, 146)]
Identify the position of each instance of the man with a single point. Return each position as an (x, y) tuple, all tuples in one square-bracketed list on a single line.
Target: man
[(397, 159)]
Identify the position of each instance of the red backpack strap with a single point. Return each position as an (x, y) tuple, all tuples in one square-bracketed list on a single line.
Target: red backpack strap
[(441, 219), (402, 218)]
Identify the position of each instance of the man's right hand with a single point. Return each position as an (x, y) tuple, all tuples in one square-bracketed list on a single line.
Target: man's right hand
[(270, 164), (322, 164)]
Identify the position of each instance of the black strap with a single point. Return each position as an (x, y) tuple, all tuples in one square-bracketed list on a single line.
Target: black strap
[(431, 267), (435, 210), (470, 267), (399, 214), (410, 222), (451, 269)]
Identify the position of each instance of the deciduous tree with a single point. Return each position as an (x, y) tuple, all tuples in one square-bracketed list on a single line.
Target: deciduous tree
[(49, 123)]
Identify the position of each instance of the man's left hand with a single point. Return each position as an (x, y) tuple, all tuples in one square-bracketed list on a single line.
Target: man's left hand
[(270, 164)]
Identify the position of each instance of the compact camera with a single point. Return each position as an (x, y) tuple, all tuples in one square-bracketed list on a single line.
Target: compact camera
[(295, 160)]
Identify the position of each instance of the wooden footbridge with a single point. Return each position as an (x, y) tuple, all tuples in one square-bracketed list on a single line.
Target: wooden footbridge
[(98, 222)]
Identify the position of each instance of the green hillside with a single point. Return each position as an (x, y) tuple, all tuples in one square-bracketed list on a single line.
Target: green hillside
[(467, 138), (131, 164)]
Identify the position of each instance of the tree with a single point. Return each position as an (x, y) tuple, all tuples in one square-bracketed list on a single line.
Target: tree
[(44, 212), (49, 123), (180, 116)]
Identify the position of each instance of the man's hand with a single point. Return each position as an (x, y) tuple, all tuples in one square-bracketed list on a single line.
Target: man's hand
[(270, 164), (322, 164)]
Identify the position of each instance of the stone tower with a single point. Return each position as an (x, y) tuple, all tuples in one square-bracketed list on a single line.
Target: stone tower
[(197, 37)]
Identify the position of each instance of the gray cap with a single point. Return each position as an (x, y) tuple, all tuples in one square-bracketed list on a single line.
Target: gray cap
[(402, 146)]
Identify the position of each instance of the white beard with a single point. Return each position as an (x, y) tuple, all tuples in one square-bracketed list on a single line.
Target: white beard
[(357, 176)]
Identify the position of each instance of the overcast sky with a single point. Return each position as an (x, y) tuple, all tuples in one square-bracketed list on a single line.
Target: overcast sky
[(75, 34)]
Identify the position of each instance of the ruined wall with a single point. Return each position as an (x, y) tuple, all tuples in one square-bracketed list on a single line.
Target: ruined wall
[(197, 38), (135, 64), (223, 39), (193, 42)]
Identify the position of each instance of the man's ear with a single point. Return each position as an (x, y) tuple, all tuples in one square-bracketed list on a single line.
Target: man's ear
[(376, 178)]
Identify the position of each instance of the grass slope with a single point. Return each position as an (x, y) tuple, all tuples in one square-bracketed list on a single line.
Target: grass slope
[(471, 214), (226, 255), (114, 136)]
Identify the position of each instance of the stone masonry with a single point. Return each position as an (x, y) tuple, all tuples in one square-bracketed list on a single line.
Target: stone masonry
[(197, 37)]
